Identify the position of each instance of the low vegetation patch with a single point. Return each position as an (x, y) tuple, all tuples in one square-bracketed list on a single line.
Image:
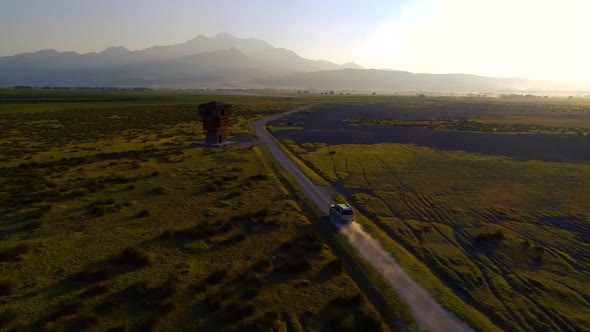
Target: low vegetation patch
[(114, 219)]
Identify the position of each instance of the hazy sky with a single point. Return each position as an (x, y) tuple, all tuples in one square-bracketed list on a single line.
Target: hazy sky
[(544, 39)]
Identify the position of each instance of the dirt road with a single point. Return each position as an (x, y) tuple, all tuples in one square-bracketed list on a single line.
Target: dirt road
[(429, 313)]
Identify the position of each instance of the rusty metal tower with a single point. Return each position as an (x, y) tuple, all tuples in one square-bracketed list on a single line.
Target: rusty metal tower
[(215, 121)]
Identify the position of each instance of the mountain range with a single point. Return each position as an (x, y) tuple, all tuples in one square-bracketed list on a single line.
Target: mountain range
[(230, 62)]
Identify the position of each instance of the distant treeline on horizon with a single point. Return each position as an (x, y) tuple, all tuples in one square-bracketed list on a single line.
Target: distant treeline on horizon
[(27, 87)]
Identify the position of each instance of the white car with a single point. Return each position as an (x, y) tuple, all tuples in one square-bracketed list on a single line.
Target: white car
[(343, 213)]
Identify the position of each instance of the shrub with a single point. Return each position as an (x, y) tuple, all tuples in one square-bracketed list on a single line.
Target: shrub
[(14, 254), (166, 308), (232, 194), (336, 265), (490, 236), (225, 227), (45, 208), (252, 279), (351, 301), (236, 311), (294, 265), (136, 291), (266, 322), (160, 294), (6, 317), (302, 283), (32, 225), (234, 239), (105, 307), (7, 287), (103, 206), (262, 265), (216, 277), (95, 291), (83, 322), (260, 214), (212, 302), (539, 254), (194, 233), (133, 257), (78, 192), (66, 310), (259, 177), (158, 191), (250, 293), (167, 234), (149, 325), (368, 321), (143, 214), (95, 274)]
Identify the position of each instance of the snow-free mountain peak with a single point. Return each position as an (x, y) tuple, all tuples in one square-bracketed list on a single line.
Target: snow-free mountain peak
[(225, 60)]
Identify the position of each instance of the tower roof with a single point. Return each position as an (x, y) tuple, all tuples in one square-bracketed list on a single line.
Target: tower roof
[(214, 104)]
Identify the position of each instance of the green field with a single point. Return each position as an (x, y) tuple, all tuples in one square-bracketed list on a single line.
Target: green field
[(112, 218), (509, 237)]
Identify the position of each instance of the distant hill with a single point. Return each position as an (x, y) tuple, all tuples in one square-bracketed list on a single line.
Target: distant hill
[(227, 61), (222, 59), (392, 80), (381, 80)]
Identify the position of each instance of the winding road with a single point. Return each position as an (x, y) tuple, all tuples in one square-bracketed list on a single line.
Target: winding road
[(429, 313)]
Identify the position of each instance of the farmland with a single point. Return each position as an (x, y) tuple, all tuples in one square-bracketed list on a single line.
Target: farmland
[(112, 218), (500, 217)]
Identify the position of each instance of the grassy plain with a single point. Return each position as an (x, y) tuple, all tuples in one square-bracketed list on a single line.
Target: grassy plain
[(111, 218), (510, 238)]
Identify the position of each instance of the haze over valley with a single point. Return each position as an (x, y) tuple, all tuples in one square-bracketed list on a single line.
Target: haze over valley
[(301, 165), (225, 61)]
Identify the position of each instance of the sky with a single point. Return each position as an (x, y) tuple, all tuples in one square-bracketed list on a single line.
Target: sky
[(538, 39)]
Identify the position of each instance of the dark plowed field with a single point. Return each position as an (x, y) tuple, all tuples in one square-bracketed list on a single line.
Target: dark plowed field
[(326, 124)]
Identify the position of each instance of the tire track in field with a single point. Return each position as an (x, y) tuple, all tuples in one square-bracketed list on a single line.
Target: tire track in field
[(554, 317), (424, 203), (419, 205), (497, 264)]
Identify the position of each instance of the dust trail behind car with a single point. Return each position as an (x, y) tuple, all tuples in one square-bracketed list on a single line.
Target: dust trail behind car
[(429, 313)]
